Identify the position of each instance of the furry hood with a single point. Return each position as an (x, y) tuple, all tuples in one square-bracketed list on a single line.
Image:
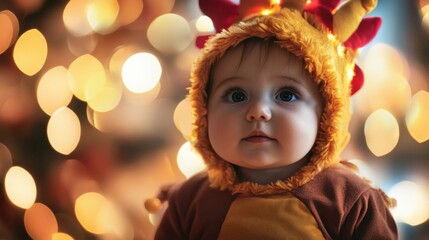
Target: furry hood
[(326, 59)]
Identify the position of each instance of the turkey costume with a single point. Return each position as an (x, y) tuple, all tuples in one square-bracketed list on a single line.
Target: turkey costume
[(324, 199)]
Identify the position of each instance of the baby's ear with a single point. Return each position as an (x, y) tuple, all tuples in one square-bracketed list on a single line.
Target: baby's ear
[(349, 15)]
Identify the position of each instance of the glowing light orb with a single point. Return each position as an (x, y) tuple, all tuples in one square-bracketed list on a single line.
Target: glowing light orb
[(75, 19), (15, 24), (183, 118), (141, 72), (384, 66), (20, 187), (189, 161), (98, 215), (89, 209), (204, 24), (8, 30), (129, 11), (40, 222), (5, 159), (30, 52), (169, 33), (86, 77), (64, 130), (102, 15), (381, 132), (61, 236), (417, 117), (425, 19), (143, 99), (120, 55), (53, 90), (412, 199), (364, 170), (383, 59), (107, 98), (28, 6)]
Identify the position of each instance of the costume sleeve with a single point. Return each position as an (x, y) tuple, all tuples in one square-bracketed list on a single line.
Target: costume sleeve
[(369, 218), (171, 224)]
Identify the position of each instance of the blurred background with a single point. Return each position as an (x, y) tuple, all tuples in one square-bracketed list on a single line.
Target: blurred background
[(94, 117)]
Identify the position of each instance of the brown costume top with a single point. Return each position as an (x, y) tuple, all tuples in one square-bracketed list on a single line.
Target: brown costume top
[(350, 210), (322, 200)]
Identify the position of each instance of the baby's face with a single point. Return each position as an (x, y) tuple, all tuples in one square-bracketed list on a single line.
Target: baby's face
[(263, 110)]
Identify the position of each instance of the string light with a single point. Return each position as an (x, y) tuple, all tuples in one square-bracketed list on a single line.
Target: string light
[(331, 37), (274, 7), (350, 72)]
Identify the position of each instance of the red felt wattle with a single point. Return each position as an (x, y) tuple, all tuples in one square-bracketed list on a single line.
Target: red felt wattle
[(365, 32), (358, 79), (223, 13), (201, 40), (329, 4), (324, 14)]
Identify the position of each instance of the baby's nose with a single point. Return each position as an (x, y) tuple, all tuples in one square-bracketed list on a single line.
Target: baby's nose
[(258, 111)]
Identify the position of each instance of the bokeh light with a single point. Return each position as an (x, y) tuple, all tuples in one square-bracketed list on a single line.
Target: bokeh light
[(412, 199), (155, 218), (86, 77), (30, 52), (169, 33), (417, 117), (64, 130), (381, 59), (129, 11), (142, 99), (424, 7), (7, 31), (82, 45), (107, 98), (381, 132), (15, 24), (425, 19), (99, 215), (119, 56), (154, 8), (384, 67), (204, 25), (20, 187), (141, 72), (5, 159), (364, 170), (102, 15), (61, 236), (28, 6), (183, 118), (74, 18), (53, 90), (40, 222), (189, 161), (90, 212)]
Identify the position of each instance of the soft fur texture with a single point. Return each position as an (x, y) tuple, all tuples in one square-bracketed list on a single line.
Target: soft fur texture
[(325, 58)]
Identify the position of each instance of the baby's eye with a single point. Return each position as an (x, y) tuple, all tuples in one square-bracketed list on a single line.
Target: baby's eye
[(286, 95), (236, 96)]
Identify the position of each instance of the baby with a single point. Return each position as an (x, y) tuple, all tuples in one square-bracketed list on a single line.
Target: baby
[(271, 101)]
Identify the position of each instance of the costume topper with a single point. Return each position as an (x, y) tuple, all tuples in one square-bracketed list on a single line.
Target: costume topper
[(345, 21)]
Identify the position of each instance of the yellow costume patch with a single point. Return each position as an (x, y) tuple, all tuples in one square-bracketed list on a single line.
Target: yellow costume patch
[(278, 217)]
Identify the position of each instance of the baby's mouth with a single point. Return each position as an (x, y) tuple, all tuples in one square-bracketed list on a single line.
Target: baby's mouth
[(258, 137)]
